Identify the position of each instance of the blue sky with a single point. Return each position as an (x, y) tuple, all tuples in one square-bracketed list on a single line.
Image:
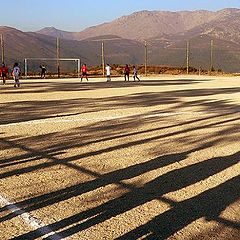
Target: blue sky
[(75, 15)]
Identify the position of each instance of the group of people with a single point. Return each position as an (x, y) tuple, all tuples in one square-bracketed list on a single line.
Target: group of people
[(84, 72), (108, 73), (16, 72), (127, 73)]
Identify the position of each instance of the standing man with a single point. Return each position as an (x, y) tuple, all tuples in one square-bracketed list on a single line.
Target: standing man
[(4, 72), (108, 70), (135, 74), (16, 74), (43, 71), (126, 72), (84, 72)]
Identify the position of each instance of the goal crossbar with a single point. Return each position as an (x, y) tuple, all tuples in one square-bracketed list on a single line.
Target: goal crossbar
[(52, 59)]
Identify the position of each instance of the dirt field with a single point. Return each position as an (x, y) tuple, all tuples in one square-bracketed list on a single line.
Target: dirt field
[(156, 159)]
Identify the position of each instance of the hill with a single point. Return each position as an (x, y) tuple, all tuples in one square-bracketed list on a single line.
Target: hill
[(20, 45), (151, 24), (166, 34)]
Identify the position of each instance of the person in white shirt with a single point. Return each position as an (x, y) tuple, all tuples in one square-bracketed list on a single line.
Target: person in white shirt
[(135, 74), (16, 74), (108, 70)]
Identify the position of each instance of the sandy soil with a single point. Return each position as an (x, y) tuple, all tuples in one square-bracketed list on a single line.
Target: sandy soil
[(156, 159)]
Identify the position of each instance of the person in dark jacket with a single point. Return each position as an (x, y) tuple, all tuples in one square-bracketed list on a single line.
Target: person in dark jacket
[(3, 73), (43, 71), (126, 73)]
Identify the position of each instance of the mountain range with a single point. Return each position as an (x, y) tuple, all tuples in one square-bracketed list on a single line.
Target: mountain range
[(166, 34)]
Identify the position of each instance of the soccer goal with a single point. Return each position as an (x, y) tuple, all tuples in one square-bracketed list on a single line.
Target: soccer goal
[(34, 63)]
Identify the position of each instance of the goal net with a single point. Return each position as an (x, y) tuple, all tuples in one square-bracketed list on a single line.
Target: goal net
[(69, 67)]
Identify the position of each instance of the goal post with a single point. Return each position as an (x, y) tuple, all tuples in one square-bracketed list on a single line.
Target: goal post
[(27, 60)]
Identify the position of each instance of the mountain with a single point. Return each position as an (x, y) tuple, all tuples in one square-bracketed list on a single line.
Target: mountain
[(150, 24), (20, 45), (53, 32), (145, 24), (166, 34)]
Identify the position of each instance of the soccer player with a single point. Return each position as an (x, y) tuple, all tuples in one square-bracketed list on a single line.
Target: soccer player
[(84, 72), (108, 70), (135, 74), (16, 74), (4, 72), (43, 71), (126, 72)]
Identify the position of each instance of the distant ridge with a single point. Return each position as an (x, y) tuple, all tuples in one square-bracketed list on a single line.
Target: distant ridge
[(149, 24), (20, 45), (166, 34), (53, 32)]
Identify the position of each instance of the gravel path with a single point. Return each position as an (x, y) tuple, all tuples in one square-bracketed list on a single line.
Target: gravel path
[(157, 159)]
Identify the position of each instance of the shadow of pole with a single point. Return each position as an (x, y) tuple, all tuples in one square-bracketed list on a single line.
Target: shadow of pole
[(187, 211), (208, 204)]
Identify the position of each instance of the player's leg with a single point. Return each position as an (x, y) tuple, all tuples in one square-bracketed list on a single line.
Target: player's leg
[(15, 81), (18, 82), (4, 79)]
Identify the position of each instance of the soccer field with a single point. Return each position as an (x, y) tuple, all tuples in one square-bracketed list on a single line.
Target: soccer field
[(156, 159)]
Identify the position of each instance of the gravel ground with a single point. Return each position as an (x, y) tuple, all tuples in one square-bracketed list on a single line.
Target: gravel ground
[(156, 159)]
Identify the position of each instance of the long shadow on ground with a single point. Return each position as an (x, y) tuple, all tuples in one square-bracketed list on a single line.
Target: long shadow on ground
[(171, 181)]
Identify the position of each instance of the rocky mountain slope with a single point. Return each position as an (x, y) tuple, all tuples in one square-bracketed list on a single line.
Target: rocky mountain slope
[(150, 24), (20, 45), (166, 34)]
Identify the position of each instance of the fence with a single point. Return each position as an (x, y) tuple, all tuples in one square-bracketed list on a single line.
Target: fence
[(199, 53)]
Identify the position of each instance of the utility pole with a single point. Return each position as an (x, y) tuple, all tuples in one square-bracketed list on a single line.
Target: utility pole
[(211, 57), (103, 60), (58, 56), (146, 57), (2, 48), (25, 67), (79, 67), (187, 55)]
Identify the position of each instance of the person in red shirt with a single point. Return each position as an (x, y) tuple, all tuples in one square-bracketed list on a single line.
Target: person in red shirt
[(84, 72), (4, 72), (126, 72)]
